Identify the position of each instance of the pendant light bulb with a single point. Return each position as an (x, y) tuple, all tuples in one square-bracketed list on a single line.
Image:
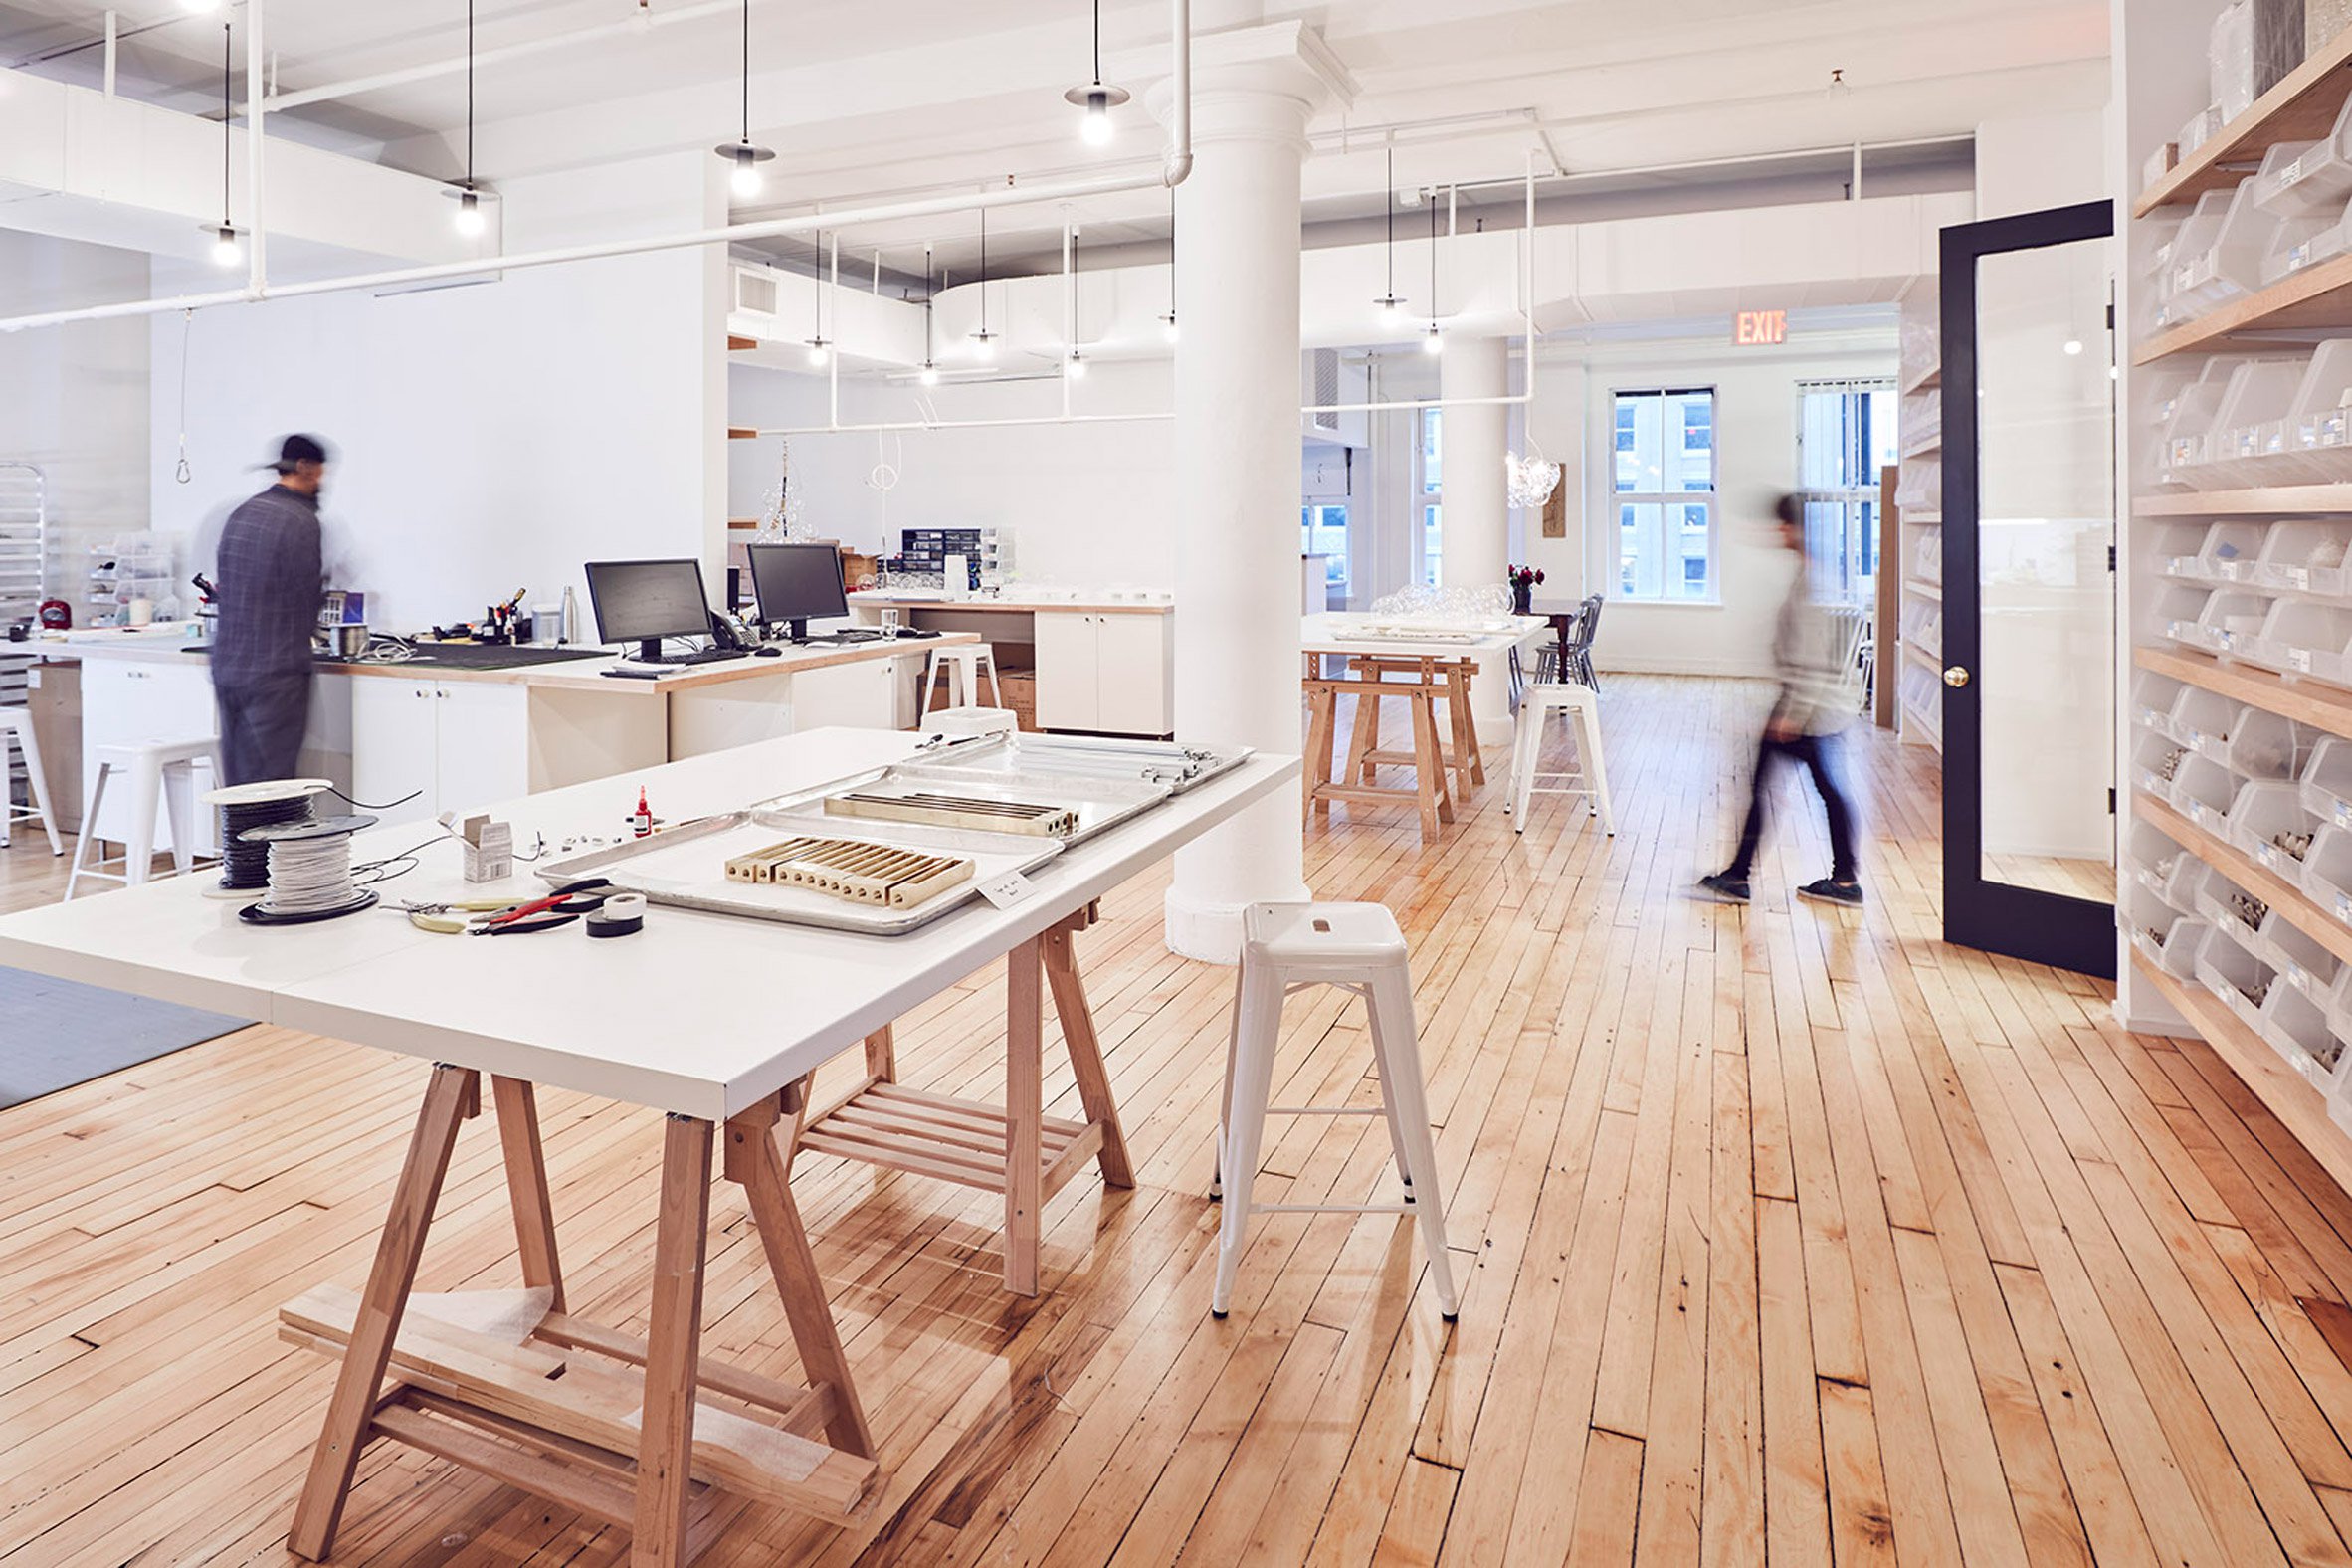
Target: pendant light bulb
[(1392, 310), (1432, 343), (819, 352), (984, 346), (1168, 326), (2074, 346), (746, 180), (469, 217), (227, 249), (1076, 369), (930, 375), (1095, 125)]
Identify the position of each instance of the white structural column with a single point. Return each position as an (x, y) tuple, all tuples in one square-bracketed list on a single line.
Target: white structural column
[(1475, 527), (1237, 453)]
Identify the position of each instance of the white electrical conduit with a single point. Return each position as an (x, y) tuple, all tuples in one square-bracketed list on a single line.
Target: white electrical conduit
[(1522, 399), (1173, 171)]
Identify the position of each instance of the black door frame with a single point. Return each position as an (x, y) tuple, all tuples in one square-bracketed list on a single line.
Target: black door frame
[(2021, 922)]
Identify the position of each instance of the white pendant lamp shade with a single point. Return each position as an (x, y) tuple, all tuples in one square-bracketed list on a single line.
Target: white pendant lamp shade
[(1531, 479), (1076, 368), (1431, 341), (819, 352), (984, 346), (930, 375), (228, 246), (1093, 100), (742, 156)]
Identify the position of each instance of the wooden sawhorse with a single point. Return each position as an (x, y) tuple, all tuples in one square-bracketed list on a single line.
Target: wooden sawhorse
[(1015, 1150), (509, 1383)]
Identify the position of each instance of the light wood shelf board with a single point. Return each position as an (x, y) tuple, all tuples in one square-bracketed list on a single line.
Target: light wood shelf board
[(2247, 502), (2289, 1095), (1924, 589), (2306, 701), (2303, 107), (2233, 862), (2317, 299), (1932, 376)]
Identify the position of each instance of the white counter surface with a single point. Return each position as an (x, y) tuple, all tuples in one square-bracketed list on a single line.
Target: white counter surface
[(700, 1014)]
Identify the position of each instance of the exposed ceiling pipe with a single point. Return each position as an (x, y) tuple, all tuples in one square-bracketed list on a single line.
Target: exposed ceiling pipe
[(1173, 171), (280, 103)]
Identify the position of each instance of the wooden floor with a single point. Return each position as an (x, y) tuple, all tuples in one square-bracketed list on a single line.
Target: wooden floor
[(1787, 1235)]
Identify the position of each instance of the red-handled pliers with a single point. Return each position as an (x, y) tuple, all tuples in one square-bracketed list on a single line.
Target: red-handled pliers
[(561, 907)]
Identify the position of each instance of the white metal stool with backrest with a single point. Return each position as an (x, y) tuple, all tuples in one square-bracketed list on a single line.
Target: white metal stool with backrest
[(16, 723), (1288, 947), (1591, 773), (963, 662), (160, 772)]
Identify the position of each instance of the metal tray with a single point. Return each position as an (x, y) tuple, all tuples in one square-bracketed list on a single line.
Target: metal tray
[(685, 867), (1178, 767), (1101, 803)]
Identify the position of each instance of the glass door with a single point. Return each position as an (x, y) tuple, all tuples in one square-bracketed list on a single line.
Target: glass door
[(2028, 622)]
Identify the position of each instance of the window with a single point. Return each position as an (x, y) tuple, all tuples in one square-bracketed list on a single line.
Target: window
[(1430, 461), (1665, 495), (1846, 435), (1322, 530)]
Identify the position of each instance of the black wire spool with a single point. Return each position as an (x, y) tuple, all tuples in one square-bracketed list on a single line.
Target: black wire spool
[(244, 863)]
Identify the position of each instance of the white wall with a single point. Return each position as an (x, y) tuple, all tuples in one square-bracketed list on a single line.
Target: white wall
[(1756, 455), (74, 399), (2038, 161), (491, 436), (1090, 503)]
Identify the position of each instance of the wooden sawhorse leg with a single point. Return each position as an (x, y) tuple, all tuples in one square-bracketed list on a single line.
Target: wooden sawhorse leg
[(618, 1438)]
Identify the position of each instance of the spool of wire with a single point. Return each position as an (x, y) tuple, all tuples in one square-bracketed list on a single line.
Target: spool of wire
[(310, 871), (244, 864)]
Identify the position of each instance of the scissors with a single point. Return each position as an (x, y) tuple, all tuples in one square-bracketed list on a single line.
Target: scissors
[(507, 918)]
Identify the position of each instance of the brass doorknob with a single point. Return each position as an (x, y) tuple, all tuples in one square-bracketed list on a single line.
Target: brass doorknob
[(1955, 676)]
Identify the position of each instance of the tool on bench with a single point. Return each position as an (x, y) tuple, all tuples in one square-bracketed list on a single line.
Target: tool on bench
[(505, 918)]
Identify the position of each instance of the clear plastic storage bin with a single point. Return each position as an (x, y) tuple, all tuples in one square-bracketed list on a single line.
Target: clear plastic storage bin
[(2268, 821), (2327, 873), (2321, 431), (2149, 922), (2203, 721), (2156, 764), (2305, 242), (2219, 260), (2204, 791), (2177, 548), (2307, 179), (2298, 1027), (2266, 747), (2153, 699), (2327, 781), (2304, 638), (2230, 551), (2235, 621), (2242, 981), (2306, 555), (2248, 442)]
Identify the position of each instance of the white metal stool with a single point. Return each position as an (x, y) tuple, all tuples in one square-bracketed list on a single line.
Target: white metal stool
[(16, 724), (161, 771), (963, 664), (1287, 947), (1583, 706)]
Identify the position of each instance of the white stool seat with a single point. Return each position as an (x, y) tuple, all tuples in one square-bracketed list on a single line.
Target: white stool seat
[(971, 722), (963, 662), (161, 771), (16, 724), (1357, 946), (1582, 705)]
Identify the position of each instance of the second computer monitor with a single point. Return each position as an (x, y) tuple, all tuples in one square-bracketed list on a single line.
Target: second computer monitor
[(796, 584), (643, 602)]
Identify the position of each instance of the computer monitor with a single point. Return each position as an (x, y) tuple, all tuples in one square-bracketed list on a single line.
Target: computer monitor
[(643, 602), (796, 584)]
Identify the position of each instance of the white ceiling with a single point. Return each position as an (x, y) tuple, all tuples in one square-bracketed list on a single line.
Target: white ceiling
[(859, 97)]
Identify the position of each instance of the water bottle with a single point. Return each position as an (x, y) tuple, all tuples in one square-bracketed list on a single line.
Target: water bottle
[(571, 616)]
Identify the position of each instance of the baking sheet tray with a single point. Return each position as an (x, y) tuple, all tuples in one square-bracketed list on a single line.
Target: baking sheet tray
[(685, 867), (1179, 767)]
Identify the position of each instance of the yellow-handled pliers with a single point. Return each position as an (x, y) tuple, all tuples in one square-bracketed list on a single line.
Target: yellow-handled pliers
[(450, 919)]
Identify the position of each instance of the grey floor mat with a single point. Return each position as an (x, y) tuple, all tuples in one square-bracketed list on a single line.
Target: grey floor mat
[(55, 1034)]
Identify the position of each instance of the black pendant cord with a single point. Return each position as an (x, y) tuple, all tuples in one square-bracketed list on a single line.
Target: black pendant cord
[(1391, 204), (747, 73), (1171, 253), (983, 272), (817, 295), (468, 94), (927, 306), (1432, 257), (227, 59), (1097, 43)]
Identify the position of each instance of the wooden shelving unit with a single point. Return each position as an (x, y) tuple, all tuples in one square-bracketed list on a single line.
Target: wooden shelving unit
[(2310, 702), (2258, 502), (2282, 316), (2301, 108)]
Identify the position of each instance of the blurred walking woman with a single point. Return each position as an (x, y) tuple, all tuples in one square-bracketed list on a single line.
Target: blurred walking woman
[(1814, 663)]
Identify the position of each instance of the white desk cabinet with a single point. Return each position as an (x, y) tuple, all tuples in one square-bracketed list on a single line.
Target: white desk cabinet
[(1111, 673), (862, 695), (459, 743), (123, 702)]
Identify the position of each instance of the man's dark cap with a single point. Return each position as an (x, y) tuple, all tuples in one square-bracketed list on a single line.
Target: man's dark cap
[(298, 448)]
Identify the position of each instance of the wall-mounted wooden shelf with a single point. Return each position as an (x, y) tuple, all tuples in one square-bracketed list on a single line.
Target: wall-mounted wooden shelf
[(1925, 519), (2281, 895), (1932, 376), (2301, 108), (2291, 1096), (2247, 502), (2304, 701), (2317, 299)]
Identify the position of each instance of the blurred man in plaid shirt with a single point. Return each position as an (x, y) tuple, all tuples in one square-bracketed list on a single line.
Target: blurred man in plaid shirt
[(271, 584)]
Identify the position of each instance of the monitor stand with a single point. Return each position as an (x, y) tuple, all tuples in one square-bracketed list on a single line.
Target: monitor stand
[(796, 630), (648, 650)]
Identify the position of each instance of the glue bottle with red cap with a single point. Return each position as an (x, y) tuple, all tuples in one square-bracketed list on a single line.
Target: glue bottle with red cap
[(643, 819)]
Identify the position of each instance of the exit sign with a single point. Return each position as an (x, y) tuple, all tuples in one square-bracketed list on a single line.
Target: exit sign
[(1759, 329)]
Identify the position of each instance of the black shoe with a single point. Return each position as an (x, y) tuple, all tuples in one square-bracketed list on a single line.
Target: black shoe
[(1727, 887), (1825, 890)]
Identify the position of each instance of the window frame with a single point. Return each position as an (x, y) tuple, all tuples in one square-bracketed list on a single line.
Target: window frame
[(1845, 574), (1311, 515), (1429, 537), (1711, 498)]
